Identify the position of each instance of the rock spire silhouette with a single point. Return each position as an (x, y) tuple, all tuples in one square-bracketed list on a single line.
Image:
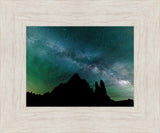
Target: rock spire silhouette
[(76, 92)]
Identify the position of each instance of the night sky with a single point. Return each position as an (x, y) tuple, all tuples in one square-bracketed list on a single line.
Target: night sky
[(54, 54)]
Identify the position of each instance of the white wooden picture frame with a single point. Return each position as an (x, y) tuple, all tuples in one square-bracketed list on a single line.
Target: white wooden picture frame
[(15, 15)]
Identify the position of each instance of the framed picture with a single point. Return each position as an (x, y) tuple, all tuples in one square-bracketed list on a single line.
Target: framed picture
[(65, 63), (79, 66)]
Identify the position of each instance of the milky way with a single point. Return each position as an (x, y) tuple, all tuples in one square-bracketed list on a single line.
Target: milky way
[(54, 54)]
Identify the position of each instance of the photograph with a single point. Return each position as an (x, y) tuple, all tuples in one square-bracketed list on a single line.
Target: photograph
[(80, 66)]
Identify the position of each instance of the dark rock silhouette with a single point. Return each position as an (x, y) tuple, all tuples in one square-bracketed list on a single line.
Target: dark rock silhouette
[(101, 97), (76, 92)]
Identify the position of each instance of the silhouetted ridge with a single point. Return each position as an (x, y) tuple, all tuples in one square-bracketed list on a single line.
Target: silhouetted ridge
[(76, 81), (75, 77), (76, 92)]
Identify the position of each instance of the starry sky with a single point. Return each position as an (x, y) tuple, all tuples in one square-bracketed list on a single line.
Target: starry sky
[(54, 54)]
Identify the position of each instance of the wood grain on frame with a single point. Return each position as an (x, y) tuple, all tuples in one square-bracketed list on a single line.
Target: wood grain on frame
[(15, 15)]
